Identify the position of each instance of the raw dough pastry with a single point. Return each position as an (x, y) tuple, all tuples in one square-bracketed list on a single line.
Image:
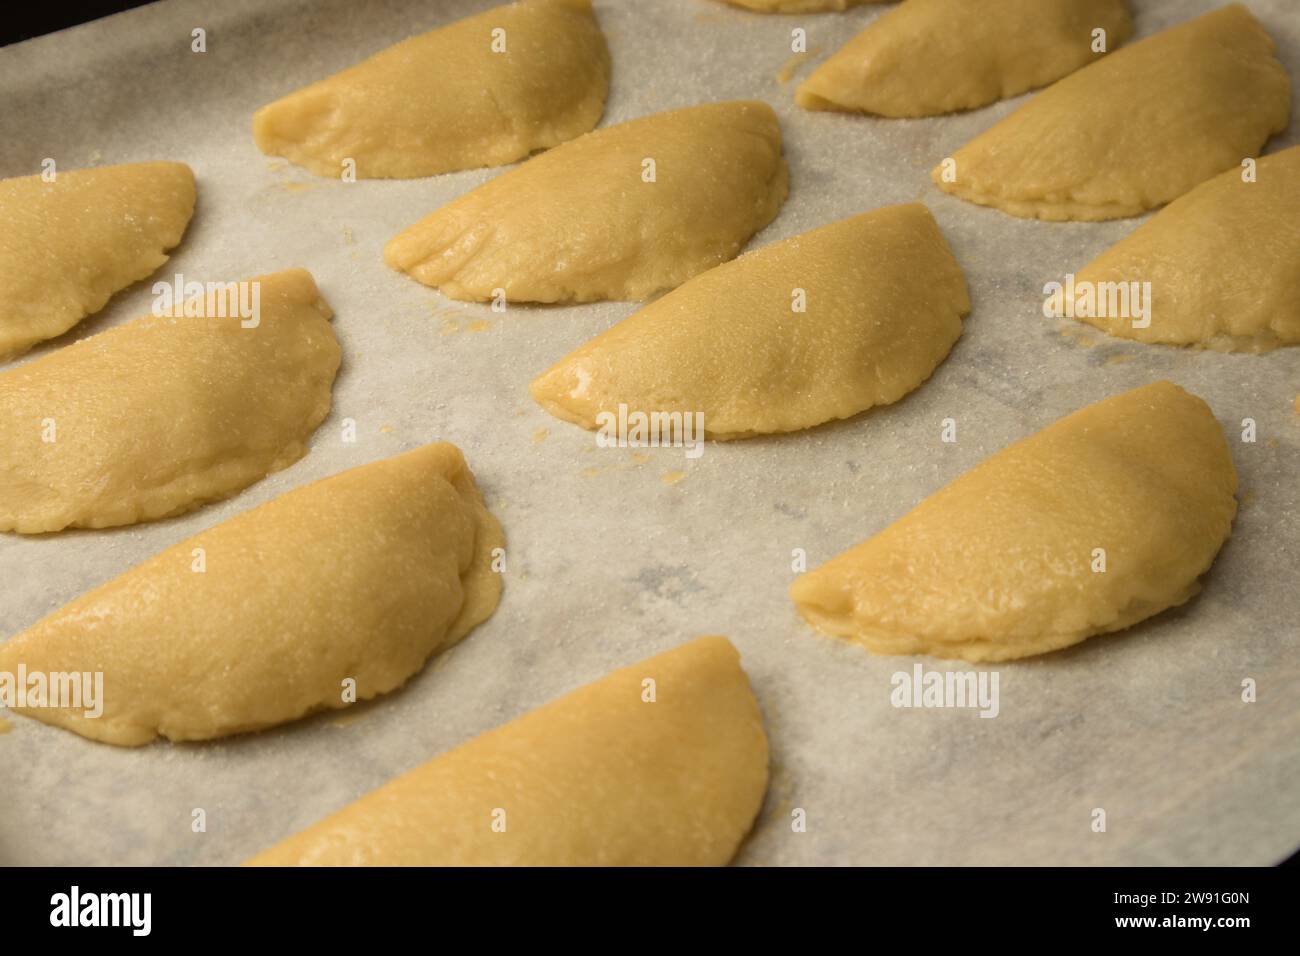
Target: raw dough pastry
[(800, 6), (884, 300), (599, 777), (162, 414), (581, 223), (1223, 262), (927, 57), (1135, 129), (1000, 563), (362, 575), (67, 245), (445, 100)]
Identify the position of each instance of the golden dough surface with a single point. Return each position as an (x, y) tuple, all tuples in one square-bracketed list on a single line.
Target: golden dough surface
[(446, 100), (599, 777), (999, 564), (1223, 263), (66, 246), (927, 57), (1135, 129), (580, 222), (361, 575), (162, 414), (883, 301)]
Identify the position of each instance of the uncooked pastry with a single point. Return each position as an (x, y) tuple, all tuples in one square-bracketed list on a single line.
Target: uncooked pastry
[(458, 97), (361, 576), (165, 413), (1134, 130), (621, 213), (1003, 562), (882, 301), (1223, 263), (800, 6), (600, 777), (927, 57), (66, 246)]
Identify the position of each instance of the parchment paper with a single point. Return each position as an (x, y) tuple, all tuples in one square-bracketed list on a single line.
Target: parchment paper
[(610, 558)]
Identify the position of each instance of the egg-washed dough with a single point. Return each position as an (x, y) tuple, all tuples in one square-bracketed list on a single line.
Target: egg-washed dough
[(599, 777), (999, 564), (800, 6), (66, 246), (1134, 130), (360, 576), (927, 57), (1223, 263), (884, 300), (164, 413), (580, 223), (445, 101)]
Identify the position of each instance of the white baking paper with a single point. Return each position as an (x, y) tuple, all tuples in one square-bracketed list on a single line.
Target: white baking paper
[(617, 554)]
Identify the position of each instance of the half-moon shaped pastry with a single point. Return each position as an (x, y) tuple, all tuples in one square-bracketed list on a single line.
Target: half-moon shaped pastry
[(1134, 130), (881, 299), (600, 777), (66, 246), (263, 618), (1093, 524), (800, 6), (621, 213), (1222, 263), (483, 91), (167, 412), (927, 57)]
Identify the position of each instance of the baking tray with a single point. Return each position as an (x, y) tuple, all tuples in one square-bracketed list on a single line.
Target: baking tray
[(616, 554)]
